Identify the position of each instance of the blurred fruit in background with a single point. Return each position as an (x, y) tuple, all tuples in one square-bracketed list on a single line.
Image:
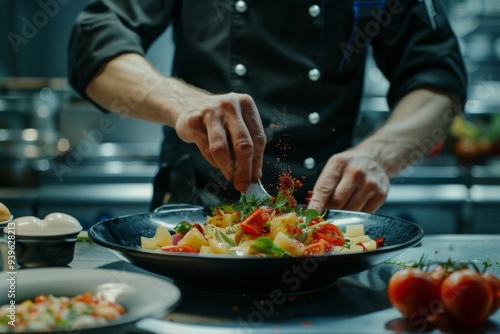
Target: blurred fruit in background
[(475, 140), (494, 134)]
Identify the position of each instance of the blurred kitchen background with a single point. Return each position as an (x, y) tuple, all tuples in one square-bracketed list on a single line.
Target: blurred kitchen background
[(59, 153)]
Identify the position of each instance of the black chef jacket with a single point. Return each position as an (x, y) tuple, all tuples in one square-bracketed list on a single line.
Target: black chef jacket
[(301, 60)]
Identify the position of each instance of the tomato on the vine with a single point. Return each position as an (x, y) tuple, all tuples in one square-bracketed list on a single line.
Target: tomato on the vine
[(467, 297), (494, 282), (448, 295), (439, 273), (413, 292)]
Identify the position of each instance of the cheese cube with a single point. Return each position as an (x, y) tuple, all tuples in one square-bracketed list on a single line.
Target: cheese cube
[(354, 230), (357, 240)]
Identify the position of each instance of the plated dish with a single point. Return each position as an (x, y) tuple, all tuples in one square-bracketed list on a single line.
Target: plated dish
[(271, 230), (250, 274), (140, 295)]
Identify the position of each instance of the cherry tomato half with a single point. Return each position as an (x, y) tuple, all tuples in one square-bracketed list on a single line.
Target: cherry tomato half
[(330, 233), (315, 248)]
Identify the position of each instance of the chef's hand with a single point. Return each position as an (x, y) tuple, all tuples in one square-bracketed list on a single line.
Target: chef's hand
[(351, 180), (226, 128), (228, 131)]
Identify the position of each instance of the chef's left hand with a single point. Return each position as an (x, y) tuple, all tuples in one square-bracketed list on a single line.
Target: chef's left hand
[(351, 180)]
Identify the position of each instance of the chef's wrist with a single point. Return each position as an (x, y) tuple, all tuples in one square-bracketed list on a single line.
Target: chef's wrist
[(177, 98)]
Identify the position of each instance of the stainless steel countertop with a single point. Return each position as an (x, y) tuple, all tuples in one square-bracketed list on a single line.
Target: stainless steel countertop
[(354, 304)]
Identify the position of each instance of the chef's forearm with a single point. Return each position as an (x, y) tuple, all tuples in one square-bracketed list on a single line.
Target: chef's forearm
[(419, 121), (130, 86)]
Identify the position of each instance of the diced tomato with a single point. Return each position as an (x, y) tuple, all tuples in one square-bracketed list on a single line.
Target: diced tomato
[(198, 227), (87, 297), (314, 221), (315, 248), (330, 233), (379, 241), (253, 223), (361, 244), (252, 230), (40, 299), (179, 249)]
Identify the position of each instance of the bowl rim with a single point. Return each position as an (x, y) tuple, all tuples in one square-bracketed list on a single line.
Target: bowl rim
[(414, 240), (46, 235), (5, 222)]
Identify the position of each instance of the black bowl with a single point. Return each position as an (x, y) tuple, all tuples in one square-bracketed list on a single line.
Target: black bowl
[(251, 274), (45, 251)]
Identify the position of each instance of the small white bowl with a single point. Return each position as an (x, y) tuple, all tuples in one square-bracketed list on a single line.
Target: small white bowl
[(47, 242), (54, 224)]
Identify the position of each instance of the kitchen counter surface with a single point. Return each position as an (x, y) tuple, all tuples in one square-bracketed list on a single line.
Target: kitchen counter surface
[(354, 304)]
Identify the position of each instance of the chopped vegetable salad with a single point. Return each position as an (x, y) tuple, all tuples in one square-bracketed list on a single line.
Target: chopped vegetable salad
[(273, 226), (46, 313)]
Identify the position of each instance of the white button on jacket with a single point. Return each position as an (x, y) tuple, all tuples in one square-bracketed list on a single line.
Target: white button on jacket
[(314, 118), (314, 74), (241, 6), (240, 70), (309, 163), (314, 10)]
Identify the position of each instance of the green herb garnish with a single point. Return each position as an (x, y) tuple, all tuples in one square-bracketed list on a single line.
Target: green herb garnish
[(265, 245)]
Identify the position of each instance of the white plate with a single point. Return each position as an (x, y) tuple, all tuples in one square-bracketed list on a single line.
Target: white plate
[(141, 295)]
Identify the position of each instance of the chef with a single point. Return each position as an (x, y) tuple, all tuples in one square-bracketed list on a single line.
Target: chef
[(261, 87)]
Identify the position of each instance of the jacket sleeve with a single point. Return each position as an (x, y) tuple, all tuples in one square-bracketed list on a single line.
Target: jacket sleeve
[(108, 28), (417, 48)]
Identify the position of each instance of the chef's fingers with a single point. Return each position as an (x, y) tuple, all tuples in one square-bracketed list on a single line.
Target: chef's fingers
[(371, 191), (325, 186), (346, 188), (364, 199), (217, 151), (196, 132), (242, 147), (374, 203), (253, 122), (242, 150)]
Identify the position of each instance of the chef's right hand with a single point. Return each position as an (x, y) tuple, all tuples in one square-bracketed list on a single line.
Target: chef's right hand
[(226, 128), (228, 131)]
